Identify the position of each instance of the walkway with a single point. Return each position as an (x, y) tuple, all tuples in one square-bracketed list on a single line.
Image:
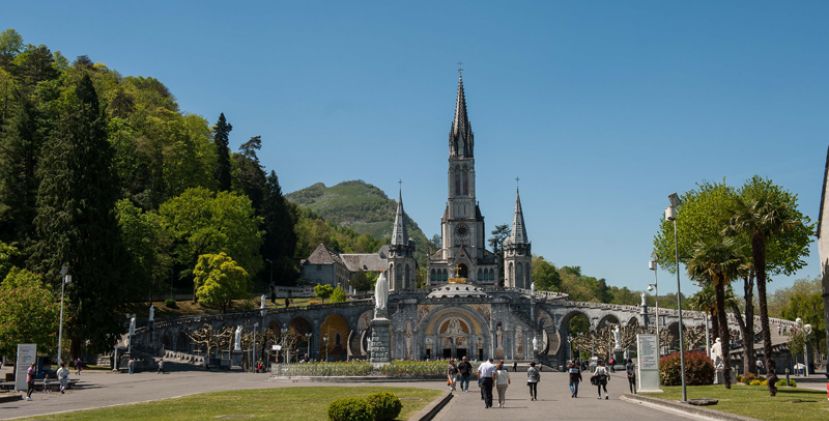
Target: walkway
[(554, 403)]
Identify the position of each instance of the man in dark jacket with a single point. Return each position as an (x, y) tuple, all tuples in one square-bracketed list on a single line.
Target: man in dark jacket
[(465, 370)]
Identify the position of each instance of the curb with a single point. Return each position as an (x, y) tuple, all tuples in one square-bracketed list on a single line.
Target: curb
[(11, 398), (429, 412), (677, 406), (352, 379)]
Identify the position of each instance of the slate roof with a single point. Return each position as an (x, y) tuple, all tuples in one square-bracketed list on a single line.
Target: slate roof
[(322, 255), (364, 262)]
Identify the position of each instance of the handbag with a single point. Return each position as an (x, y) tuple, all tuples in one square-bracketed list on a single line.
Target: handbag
[(594, 380)]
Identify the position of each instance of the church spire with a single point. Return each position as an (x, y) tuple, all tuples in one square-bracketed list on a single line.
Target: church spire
[(519, 230), (461, 139), (399, 235)]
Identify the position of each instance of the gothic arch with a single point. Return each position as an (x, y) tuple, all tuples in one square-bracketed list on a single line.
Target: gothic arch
[(334, 332)]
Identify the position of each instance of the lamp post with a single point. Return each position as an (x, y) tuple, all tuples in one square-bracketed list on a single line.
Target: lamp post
[(65, 278), (255, 328), (652, 265), (325, 342), (670, 215), (308, 341), (570, 346)]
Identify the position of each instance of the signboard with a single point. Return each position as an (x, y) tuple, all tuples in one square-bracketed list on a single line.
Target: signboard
[(26, 356), (276, 347), (646, 349), (647, 367)]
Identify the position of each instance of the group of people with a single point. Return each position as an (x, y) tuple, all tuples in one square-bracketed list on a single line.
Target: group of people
[(491, 375), (62, 374)]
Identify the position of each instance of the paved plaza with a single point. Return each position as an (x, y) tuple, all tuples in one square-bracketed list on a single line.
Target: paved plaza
[(554, 403)]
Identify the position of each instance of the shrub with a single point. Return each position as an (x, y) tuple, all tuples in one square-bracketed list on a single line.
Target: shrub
[(170, 303), (351, 368), (350, 409), (756, 382), (747, 378), (384, 406), (418, 369), (699, 369), (782, 382)]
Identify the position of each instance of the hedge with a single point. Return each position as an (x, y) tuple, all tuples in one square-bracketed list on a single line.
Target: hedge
[(382, 406)]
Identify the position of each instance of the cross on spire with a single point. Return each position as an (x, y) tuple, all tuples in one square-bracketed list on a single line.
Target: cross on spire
[(460, 69)]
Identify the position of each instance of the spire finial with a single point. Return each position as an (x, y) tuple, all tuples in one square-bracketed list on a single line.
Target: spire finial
[(517, 179), (460, 70)]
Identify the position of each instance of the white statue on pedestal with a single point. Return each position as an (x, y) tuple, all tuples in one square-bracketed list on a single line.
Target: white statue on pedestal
[(381, 293), (644, 302), (535, 344), (152, 313), (617, 338), (237, 339), (716, 354)]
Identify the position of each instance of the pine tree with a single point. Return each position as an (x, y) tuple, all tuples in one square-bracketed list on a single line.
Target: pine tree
[(279, 245), (221, 137), (19, 146), (76, 223)]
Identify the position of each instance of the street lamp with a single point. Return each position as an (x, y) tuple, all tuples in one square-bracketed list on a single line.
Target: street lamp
[(308, 341), (65, 278), (652, 265), (255, 328), (325, 344), (670, 215)]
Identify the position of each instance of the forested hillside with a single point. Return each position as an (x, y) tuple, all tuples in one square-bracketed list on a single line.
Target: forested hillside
[(359, 206)]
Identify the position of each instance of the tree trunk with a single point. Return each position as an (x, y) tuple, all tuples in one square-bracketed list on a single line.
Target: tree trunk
[(758, 251), (738, 314), (748, 334), (724, 336)]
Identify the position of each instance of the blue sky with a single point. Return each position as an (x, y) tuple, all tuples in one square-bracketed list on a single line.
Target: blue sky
[(602, 108)]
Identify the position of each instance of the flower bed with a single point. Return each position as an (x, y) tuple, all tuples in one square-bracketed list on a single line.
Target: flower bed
[(396, 369), (352, 368)]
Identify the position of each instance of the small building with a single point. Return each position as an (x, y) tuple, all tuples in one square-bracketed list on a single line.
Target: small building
[(325, 266)]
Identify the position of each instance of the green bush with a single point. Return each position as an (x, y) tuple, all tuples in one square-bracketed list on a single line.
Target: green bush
[(782, 382), (384, 406), (170, 303), (349, 409), (417, 369), (699, 369)]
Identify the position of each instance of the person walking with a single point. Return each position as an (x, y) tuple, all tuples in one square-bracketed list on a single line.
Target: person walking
[(502, 381), (465, 370), (30, 381), (131, 365), (78, 365), (533, 377), (63, 377), (601, 377), (575, 378), (452, 374), (160, 366), (486, 371), (515, 366), (631, 372)]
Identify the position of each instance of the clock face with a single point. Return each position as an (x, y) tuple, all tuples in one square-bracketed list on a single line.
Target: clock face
[(461, 230)]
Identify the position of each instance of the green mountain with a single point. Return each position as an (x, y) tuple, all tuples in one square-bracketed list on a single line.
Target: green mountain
[(359, 206)]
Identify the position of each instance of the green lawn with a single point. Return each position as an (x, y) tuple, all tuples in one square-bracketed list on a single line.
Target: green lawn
[(795, 404), (294, 403)]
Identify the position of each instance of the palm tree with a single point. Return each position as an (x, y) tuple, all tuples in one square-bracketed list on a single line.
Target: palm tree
[(765, 213), (717, 262)]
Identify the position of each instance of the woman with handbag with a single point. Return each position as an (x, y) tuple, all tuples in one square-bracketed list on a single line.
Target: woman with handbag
[(600, 378)]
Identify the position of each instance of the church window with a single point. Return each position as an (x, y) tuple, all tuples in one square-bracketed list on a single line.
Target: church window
[(465, 185)]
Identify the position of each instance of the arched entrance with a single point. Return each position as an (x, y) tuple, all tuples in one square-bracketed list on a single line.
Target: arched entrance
[(463, 270), (454, 332), (334, 331)]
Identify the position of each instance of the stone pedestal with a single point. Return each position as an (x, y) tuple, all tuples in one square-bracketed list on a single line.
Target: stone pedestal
[(719, 377), (380, 341), (236, 361)]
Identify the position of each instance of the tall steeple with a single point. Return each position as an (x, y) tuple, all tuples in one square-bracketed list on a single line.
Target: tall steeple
[(461, 139), (399, 235), (519, 230)]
